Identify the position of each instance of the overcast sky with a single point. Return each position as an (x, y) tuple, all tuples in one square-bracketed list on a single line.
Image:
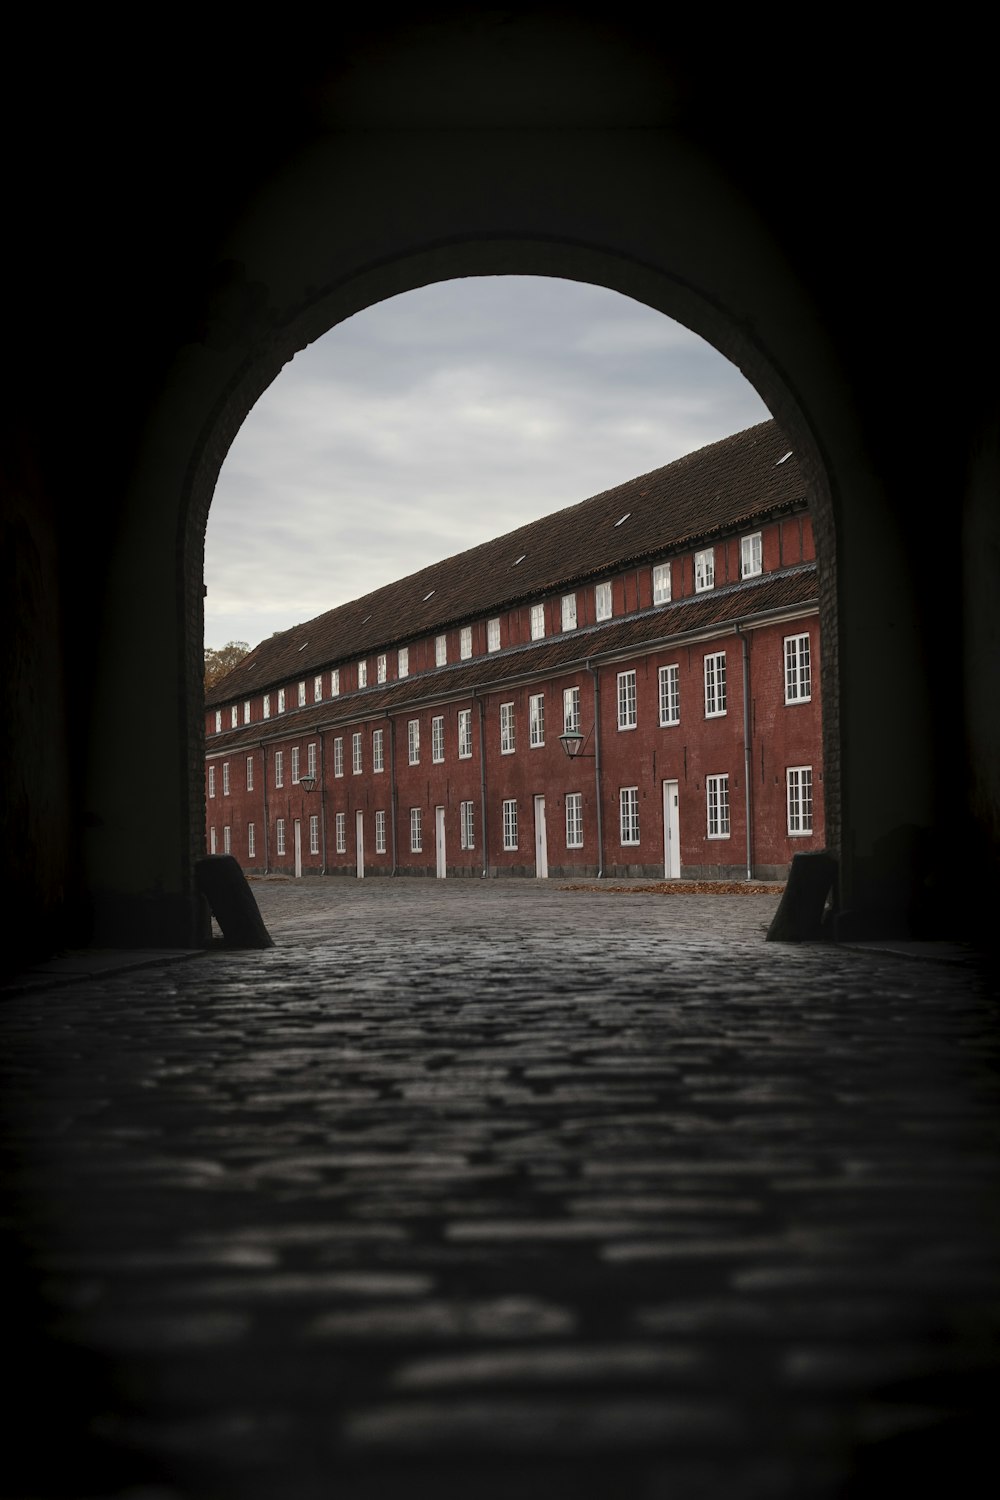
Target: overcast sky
[(439, 419)]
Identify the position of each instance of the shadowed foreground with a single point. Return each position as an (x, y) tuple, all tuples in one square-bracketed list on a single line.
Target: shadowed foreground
[(500, 1191)]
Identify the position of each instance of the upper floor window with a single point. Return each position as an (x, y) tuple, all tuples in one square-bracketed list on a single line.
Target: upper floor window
[(356, 752), (704, 570), (295, 765), (661, 583), (335, 682), (211, 781), (715, 684), (225, 778), (751, 555), (249, 773), (403, 661), (537, 621), (279, 768), (670, 695), (281, 700), (602, 601), (440, 650), (571, 710), (465, 642), (464, 733), (378, 750), (626, 700), (798, 669), (362, 674), (536, 719), (318, 688), (246, 712), (267, 705), (569, 611), (338, 756), (493, 634), (413, 741), (437, 738), (380, 668), (234, 717), (508, 741), (311, 758), (218, 721), (302, 695)]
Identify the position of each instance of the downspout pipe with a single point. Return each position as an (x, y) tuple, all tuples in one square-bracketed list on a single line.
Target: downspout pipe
[(267, 818), (482, 786), (322, 800), (597, 770), (392, 790), (747, 756)]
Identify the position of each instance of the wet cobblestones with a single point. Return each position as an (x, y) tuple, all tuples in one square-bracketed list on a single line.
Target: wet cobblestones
[(504, 1190)]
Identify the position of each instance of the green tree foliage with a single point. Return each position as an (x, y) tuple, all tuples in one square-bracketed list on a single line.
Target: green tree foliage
[(219, 662)]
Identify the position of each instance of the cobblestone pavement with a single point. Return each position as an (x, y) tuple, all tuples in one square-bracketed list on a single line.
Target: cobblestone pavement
[(498, 1191)]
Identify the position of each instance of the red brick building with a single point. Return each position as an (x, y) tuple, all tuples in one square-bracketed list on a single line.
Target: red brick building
[(627, 687)]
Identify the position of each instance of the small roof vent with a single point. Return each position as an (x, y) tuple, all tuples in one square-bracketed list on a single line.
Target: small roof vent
[(622, 519), (784, 457), (428, 596), (519, 560)]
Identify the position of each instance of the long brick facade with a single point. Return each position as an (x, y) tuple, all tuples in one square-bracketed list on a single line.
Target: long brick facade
[(672, 624)]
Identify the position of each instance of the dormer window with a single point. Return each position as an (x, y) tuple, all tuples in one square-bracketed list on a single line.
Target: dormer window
[(704, 570), (537, 621), (493, 634), (218, 721), (465, 642), (335, 682), (751, 555), (602, 601), (661, 583), (362, 674), (234, 717), (403, 662), (440, 650), (281, 700), (569, 612), (302, 695), (267, 705), (380, 667)]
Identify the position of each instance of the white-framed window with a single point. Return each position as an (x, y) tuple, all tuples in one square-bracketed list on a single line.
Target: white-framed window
[(403, 662), (318, 688), (537, 621), (493, 634), (602, 601), (356, 753), (302, 694), (234, 717), (628, 805), (715, 684), (508, 733), (279, 767), (381, 667), (569, 611), (211, 781), (413, 741), (510, 824), (279, 830), (464, 733), (798, 669), (571, 710), (437, 739), (267, 705), (440, 650), (416, 830), (536, 719), (704, 570), (465, 642), (670, 695), (251, 841), (574, 820), (467, 824), (249, 773), (311, 758), (340, 832), (246, 712), (380, 830), (338, 756), (314, 833), (227, 840), (717, 800), (218, 721), (362, 674), (378, 749), (295, 765), (751, 555), (212, 847), (626, 700), (799, 789), (281, 700), (225, 778), (335, 683)]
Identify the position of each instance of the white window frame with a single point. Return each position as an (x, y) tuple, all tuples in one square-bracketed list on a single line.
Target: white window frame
[(295, 765), (227, 839), (314, 833), (378, 750), (536, 720), (279, 768), (225, 778), (212, 847), (251, 841), (628, 813), (279, 836), (715, 684), (670, 695), (465, 734), (465, 642), (704, 570), (234, 717), (363, 673), (510, 823), (574, 820), (318, 688), (338, 756), (798, 668), (571, 710), (799, 800), (311, 758), (340, 832), (437, 739), (603, 602), (416, 830), (380, 830), (441, 650), (628, 716), (751, 555), (538, 622), (413, 742), (218, 721), (249, 773), (267, 705), (508, 730), (246, 712), (493, 634), (467, 824), (356, 761), (381, 667), (211, 781), (302, 694), (403, 662), (717, 807), (662, 587), (567, 611), (335, 683), (281, 700)]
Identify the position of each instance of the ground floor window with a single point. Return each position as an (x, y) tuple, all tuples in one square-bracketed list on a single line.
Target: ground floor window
[(340, 826), (280, 836), (416, 830), (380, 831), (717, 797), (314, 833), (629, 807), (799, 786), (467, 818), (574, 820), (227, 840), (251, 841), (211, 841), (510, 825)]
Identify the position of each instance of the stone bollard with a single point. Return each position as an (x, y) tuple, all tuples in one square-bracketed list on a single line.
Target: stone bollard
[(225, 888), (799, 918)]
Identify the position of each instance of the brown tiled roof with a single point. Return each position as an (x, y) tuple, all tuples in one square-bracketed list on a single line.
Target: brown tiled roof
[(718, 488), (793, 589)]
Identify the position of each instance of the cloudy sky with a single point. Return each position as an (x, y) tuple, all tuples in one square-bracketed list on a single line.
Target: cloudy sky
[(439, 419)]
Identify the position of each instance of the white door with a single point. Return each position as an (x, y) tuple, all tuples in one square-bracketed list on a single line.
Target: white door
[(439, 848), (671, 832), (541, 843), (359, 840), (298, 850)]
